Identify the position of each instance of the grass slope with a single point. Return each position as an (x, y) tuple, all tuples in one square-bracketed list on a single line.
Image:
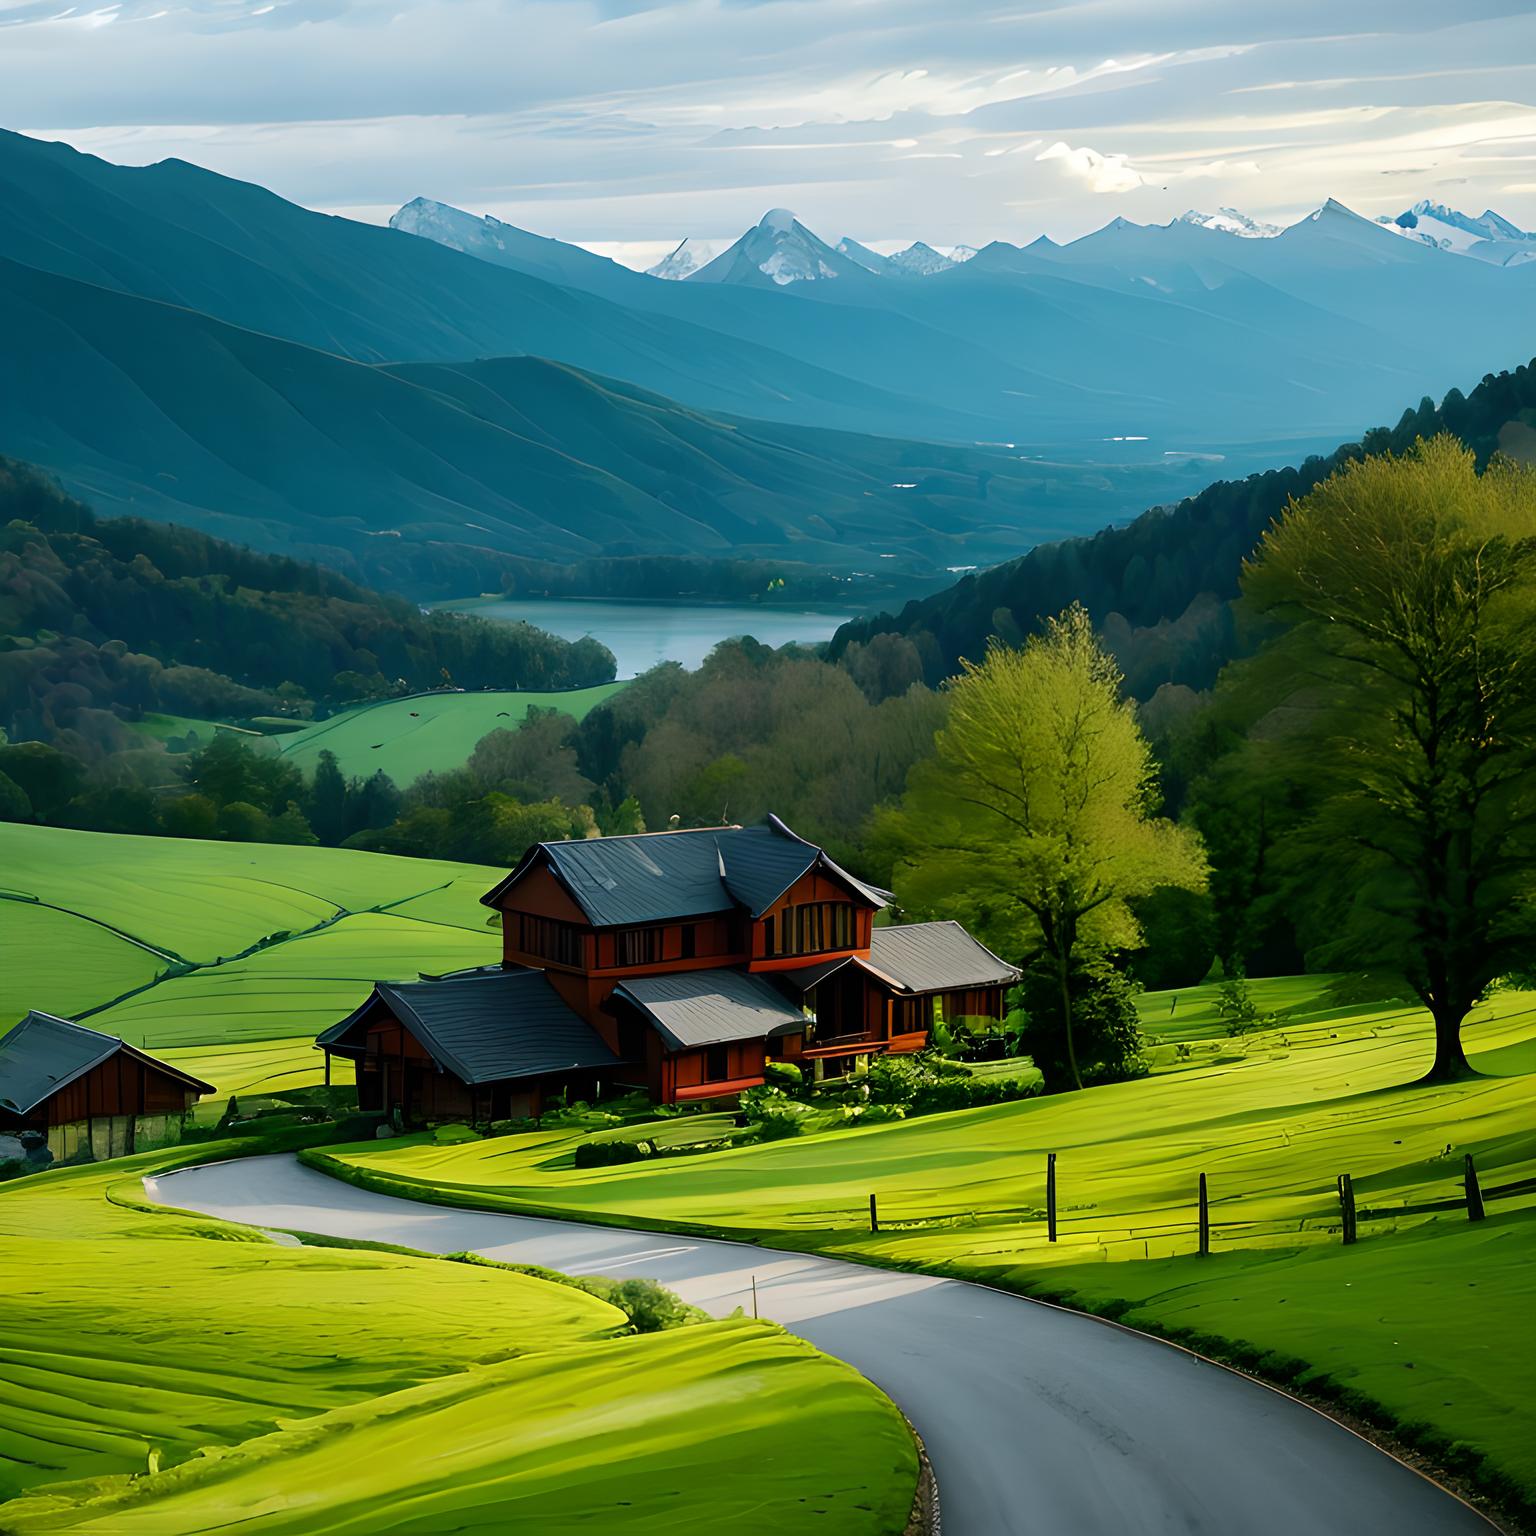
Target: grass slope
[(331, 1390), (1271, 1118), (427, 732), (226, 957)]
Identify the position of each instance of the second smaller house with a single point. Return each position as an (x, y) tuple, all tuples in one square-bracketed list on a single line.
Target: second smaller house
[(710, 1031), (885, 1001), (92, 1095), (478, 1046)]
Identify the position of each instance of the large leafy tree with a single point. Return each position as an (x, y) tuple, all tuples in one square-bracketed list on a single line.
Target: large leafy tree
[(1036, 815), (1406, 676)]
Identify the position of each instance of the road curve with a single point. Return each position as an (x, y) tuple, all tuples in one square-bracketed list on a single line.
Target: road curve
[(1040, 1422)]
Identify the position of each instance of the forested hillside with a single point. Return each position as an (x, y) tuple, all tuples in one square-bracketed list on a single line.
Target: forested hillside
[(102, 619), (1161, 588)]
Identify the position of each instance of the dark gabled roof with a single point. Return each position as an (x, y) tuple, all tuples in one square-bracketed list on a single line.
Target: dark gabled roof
[(484, 1027), (43, 1054), (935, 957), (693, 1008), (655, 877)]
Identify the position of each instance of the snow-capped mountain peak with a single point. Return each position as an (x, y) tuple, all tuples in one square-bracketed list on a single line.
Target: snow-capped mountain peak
[(871, 261), (689, 257), (919, 260), (962, 253), (1230, 221), (1490, 237), (779, 249)]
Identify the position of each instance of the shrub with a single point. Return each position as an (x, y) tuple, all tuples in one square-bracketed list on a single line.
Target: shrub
[(608, 1154), (650, 1308), (774, 1114), (785, 1075), (926, 1084), (1234, 1002), (1105, 1029)]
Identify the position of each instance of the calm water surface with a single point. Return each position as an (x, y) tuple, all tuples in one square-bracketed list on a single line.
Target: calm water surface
[(642, 634)]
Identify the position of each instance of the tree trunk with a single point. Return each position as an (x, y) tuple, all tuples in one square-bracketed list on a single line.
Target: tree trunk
[(1063, 972), (1450, 1064)]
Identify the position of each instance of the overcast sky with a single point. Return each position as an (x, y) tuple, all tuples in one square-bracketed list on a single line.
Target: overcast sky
[(641, 121)]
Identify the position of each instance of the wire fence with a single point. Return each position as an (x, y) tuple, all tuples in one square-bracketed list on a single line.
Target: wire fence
[(1173, 1231)]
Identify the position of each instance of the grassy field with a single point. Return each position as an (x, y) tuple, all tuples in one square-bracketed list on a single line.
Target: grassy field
[(1271, 1118), (226, 957), (410, 737), (329, 1390)]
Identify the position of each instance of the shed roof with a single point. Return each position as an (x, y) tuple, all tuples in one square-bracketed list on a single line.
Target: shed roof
[(935, 957), (484, 1027), (43, 1054), (653, 877), (693, 1008)]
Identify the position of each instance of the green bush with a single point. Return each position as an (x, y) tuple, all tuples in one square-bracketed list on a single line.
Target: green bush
[(927, 1084), (1105, 1030), (650, 1308), (608, 1154), (772, 1112), (785, 1075)]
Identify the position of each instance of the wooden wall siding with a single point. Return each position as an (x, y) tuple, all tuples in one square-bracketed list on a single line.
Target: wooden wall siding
[(812, 888), (683, 1073), (538, 891), (717, 941), (121, 1085)]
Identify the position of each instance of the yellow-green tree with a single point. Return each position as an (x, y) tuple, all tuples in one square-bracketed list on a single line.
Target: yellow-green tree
[(1407, 664), (1036, 815)]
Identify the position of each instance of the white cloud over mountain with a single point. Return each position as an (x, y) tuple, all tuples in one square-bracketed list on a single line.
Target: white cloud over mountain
[(642, 120)]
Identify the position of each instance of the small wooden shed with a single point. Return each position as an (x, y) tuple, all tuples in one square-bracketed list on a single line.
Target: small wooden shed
[(89, 1092)]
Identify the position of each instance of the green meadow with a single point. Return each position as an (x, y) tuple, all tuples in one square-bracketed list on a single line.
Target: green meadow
[(173, 1374), (1417, 1316), (227, 958), (427, 732)]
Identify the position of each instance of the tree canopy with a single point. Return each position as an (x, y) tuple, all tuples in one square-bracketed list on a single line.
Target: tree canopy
[(1404, 692), (1036, 815)]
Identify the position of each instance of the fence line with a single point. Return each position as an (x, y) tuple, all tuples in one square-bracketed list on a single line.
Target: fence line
[(1473, 1199)]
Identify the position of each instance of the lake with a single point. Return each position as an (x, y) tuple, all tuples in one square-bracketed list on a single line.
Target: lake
[(642, 634)]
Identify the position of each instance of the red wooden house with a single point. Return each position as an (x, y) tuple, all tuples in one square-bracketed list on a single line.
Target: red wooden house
[(675, 962), (90, 1094)]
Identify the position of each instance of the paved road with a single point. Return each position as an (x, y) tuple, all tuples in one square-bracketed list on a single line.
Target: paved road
[(1040, 1422)]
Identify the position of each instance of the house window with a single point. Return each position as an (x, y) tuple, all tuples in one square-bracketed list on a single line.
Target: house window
[(717, 1064), (549, 939), (690, 941), (637, 946), (812, 928)]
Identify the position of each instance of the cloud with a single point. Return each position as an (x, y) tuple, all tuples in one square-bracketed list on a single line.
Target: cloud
[(646, 120), (1099, 173)]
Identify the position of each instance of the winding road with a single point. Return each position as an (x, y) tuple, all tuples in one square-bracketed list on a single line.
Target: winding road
[(1040, 1422)]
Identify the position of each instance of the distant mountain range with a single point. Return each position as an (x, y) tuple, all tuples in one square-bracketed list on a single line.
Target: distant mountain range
[(197, 349), (1204, 332)]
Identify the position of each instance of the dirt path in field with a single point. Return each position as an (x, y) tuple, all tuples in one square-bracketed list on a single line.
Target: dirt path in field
[(1040, 1422)]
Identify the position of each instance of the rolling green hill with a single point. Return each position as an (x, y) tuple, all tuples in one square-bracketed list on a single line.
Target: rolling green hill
[(408, 737), (146, 407), (246, 952), (179, 1374), (188, 237), (1272, 1118)]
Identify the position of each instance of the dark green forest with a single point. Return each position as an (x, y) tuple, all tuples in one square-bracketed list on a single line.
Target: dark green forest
[(1161, 588), (102, 619)]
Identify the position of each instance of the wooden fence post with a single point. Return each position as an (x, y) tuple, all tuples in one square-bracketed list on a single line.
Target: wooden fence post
[(1050, 1196), (1475, 1210), (754, 1296), (1347, 1206), (1205, 1219), (874, 1215)]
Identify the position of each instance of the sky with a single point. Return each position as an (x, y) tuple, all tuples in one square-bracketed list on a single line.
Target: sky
[(627, 125)]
